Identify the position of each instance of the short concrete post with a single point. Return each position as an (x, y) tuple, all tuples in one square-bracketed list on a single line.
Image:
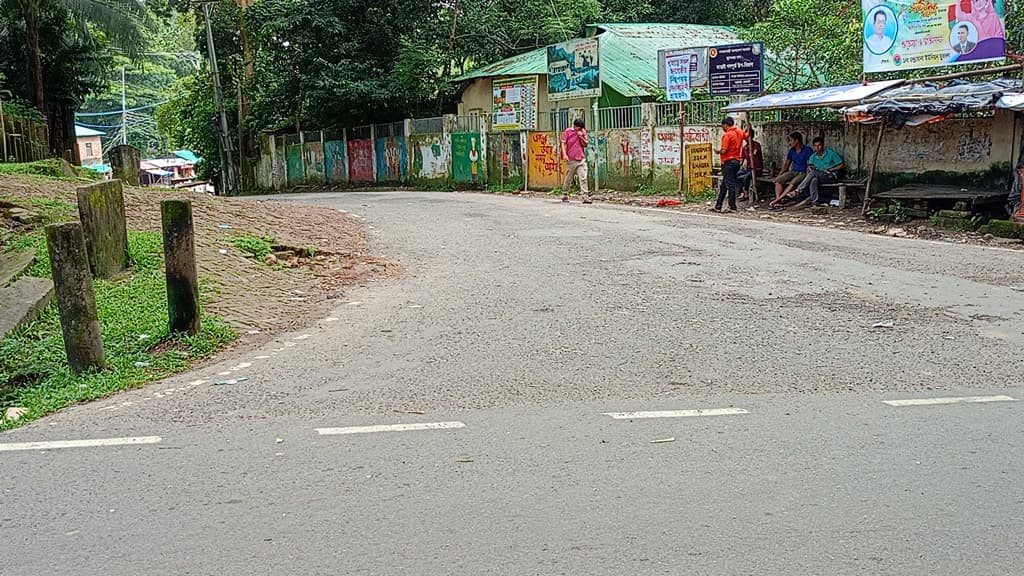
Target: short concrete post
[(124, 163), (101, 210), (75, 299), (842, 196), (180, 266)]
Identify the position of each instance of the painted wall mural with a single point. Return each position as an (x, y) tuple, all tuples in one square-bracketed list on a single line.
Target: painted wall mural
[(429, 158), (392, 160), (360, 161), (467, 162), (335, 161), (542, 157), (505, 159), (622, 164)]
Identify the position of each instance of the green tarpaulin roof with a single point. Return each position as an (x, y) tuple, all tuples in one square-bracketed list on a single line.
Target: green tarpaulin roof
[(628, 54)]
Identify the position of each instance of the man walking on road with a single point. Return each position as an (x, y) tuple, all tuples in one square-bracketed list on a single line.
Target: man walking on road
[(731, 150), (574, 154)]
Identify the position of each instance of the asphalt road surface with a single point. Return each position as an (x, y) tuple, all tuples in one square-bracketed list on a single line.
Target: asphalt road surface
[(568, 389)]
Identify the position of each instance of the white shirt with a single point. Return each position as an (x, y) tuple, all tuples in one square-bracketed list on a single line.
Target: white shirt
[(878, 44)]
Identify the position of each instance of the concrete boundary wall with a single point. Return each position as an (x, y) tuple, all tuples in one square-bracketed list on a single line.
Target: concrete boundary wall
[(461, 151)]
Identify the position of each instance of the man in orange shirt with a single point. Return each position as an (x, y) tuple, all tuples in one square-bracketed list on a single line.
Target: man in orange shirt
[(731, 150)]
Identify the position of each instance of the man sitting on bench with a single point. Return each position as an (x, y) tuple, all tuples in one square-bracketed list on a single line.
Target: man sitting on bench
[(824, 167), (826, 164), (794, 169)]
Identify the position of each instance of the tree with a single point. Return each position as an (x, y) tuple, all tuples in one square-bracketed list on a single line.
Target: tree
[(49, 23)]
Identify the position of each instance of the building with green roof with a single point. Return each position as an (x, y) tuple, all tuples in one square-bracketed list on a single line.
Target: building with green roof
[(628, 63)]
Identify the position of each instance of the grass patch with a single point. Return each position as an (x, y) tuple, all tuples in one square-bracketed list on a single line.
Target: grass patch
[(52, 211), (701, 195), (258, 247), (139, 349), (50, 168)]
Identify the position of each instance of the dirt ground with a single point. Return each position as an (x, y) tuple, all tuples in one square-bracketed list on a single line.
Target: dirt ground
[(254, 297), (827, 217)]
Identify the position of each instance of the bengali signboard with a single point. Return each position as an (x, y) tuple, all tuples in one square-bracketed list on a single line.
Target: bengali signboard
[(515, 104), (698, 65), (573, 70), (736, 69), (677, 77), (698, 167), (903, 35)]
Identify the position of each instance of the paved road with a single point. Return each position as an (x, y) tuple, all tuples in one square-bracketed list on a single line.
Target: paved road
[(521, 324)]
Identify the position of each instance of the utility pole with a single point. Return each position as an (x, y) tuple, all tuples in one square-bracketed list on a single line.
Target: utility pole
[(3, 129), (124, 111), (227, 173)]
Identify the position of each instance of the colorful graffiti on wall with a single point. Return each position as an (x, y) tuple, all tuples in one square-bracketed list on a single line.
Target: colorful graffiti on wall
[(360, 161), (467, 164), (505, 159), (392, 160), (335, 161), (429, 158), (542, 160)]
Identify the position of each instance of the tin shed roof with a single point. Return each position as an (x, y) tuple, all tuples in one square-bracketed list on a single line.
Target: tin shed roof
[(628, 54)]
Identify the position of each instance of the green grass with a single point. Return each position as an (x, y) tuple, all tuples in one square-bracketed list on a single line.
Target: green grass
[(52, 211), (701, 195), (133, 319), (256, 246), (49, 169)]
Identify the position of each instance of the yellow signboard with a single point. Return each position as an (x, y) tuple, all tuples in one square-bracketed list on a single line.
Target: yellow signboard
[(698, 167)]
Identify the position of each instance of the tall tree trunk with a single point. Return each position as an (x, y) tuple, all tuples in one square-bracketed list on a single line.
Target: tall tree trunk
[(60, 122), (35, 59)]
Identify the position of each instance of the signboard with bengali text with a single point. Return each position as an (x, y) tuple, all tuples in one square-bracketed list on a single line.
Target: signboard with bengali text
[(736, 69)]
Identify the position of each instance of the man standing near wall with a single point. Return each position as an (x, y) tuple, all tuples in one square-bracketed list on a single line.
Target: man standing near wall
[(574, 154), (732, 144)]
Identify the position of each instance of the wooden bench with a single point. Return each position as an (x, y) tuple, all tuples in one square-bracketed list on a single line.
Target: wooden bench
[(843, 188)]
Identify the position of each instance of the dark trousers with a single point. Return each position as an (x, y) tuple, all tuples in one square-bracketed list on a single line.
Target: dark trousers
[(730, 183)]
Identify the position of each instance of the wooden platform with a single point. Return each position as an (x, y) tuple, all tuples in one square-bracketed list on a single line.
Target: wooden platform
[(941, 192)]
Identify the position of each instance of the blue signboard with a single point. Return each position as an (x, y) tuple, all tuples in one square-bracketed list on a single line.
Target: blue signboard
[(736, 69)]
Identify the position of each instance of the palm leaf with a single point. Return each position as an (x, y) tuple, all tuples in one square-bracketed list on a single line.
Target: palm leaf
[(122, 21)]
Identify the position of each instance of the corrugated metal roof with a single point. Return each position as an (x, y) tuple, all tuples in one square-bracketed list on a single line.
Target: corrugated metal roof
[(628, 54)]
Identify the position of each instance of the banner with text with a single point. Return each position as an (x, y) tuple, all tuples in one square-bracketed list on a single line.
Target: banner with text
[(904, 34), (573, 70), (677, 77), (515, 104)]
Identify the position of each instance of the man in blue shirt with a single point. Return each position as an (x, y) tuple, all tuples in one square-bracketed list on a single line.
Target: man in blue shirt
[(825, 166), (794, 170)]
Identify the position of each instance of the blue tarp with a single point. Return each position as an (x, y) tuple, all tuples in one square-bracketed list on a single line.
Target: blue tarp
[(824, 97), (187, 155), (101, 168)]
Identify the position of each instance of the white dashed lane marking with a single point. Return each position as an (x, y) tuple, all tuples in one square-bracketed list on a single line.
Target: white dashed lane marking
[(949, 400), (389, 428), (57, 444), (676, 413)]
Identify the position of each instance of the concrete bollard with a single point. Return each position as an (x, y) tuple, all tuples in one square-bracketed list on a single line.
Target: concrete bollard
[(76, 301), (180, 266), (101, 210)]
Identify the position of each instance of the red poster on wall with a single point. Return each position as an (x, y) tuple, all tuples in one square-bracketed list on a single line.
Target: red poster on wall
[(360, 160)]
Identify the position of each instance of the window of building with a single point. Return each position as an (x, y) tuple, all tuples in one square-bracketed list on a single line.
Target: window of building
[(88, 148)]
